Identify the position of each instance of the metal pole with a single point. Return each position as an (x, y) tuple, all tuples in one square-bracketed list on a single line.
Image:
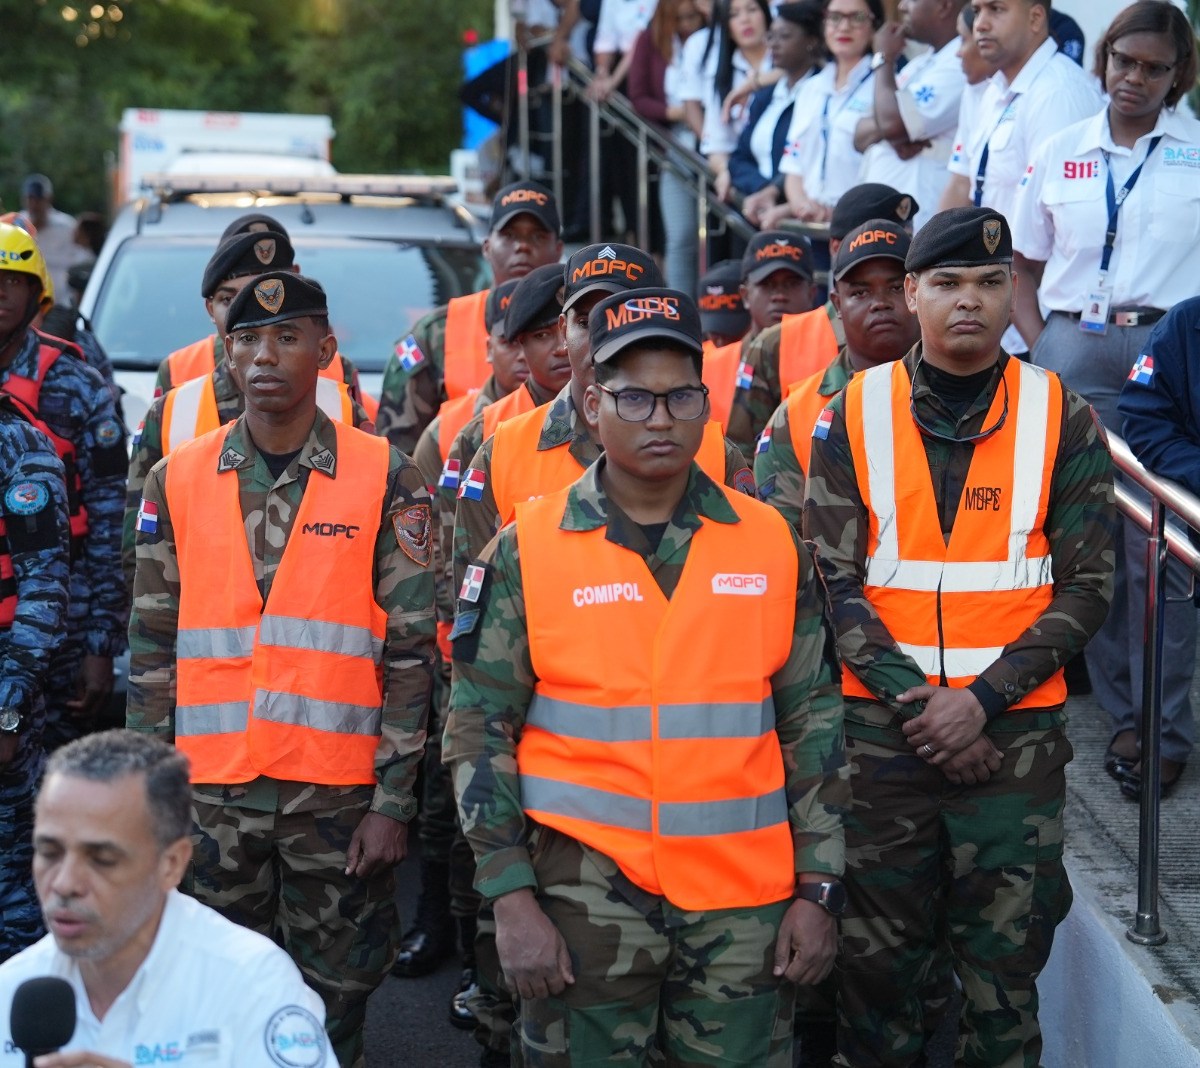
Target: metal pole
[(701, 225), (1146, 930), (523, 110), (643, 193), (594, 169), (556, 128)]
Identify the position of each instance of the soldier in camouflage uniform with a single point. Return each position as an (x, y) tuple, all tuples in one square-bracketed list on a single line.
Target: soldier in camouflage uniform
[(607, 967), (523, 234), (957, 757), (72, 403), (33, 501), (305, 860)]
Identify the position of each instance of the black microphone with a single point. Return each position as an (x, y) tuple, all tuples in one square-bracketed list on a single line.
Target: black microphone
[(42, 1019)]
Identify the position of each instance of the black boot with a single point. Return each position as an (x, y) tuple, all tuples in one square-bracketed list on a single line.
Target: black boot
[(461, 1014), (428, 941)]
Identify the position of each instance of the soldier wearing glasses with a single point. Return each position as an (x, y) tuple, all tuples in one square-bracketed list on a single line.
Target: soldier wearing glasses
[(655, 810), (961, 502)]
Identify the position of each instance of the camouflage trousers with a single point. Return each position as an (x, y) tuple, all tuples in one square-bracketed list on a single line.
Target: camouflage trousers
[(20, 914), (283, 874), (653, 984), (978, 867)]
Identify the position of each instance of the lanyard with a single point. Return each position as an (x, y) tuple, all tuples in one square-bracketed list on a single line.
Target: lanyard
[(1116, 197), (827, 122), (981, 170)]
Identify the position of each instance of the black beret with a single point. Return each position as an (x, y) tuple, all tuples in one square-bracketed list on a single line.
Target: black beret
[(961, 237), (871, 200), (246, 254), (535, 302), (254, 222), (722, 310), (275, 298), (777, 250), (608, 269), (643, 315), (499, 298), (525, 198)]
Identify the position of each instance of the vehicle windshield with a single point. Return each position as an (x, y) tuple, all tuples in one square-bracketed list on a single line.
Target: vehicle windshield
[(150, 304)]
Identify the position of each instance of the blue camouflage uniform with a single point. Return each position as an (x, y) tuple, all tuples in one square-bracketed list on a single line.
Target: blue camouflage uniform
[(33, 499), (76, 404)]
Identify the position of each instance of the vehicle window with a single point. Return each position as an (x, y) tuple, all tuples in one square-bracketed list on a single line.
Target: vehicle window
[(150, 301)]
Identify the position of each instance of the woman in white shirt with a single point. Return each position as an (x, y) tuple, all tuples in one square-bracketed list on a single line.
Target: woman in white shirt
[(1106, 229), (820, 161)]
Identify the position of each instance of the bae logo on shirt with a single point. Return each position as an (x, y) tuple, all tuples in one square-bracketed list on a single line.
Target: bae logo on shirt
[(1181, 156), (295, 1039)]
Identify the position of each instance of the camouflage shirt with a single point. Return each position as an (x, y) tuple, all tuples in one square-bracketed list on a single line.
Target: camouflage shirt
[(494, 682), (754, 405), (1080, 524), (33, 497), (409, 399), (76, 404), (777, 468), (403, 588), (148, 450), (476, 522)]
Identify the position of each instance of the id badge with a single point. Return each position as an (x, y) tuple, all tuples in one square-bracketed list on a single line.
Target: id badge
[(1094, 318)]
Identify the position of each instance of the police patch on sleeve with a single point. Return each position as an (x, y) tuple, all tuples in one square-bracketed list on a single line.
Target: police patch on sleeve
[(108, 433), (414, 533), (26, 498), (294, 1039)]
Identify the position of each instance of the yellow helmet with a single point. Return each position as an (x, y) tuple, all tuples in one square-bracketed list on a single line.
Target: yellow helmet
[(19, 252)]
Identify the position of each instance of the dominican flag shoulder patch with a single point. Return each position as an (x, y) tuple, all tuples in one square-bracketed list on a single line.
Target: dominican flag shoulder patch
[(471, 488), (451, 471), (409, 353), (823, 423), (1143, 370), (745, 375), (472, 586), (764, 441), (147, 517)]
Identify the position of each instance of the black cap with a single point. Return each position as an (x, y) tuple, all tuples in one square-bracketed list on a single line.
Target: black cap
[(777, 250), (499, 298), (961, 237), (37, 185), (874, 240), (608, 269), (535, 301), (246, 254), (529, 198), (630, 318), (254, 222), (871, 200), (722, 310), (276, 297)]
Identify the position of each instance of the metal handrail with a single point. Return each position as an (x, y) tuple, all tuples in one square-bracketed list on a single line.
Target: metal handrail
[(1165, 496)]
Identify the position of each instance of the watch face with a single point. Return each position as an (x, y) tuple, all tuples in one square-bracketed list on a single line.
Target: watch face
[(10, 720), (833, 898)]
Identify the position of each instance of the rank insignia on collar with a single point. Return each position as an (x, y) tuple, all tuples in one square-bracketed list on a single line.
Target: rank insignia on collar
[(323, 461), (230, 460)]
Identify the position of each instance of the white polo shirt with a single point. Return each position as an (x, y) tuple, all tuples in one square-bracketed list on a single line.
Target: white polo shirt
[(929, 92), (716, 135), (820, 140), (620, 22), (209, 993), (1061, 214), (762, 137)]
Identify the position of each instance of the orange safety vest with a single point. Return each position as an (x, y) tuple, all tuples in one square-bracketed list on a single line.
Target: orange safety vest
[(200, 358), (464, 347), (804, 403), (190, 410), (452, 416), (721, 369), (518, 402), (522, 472), (29, 391), (807, 344), (953, 608), (675, 773), (292, 688)]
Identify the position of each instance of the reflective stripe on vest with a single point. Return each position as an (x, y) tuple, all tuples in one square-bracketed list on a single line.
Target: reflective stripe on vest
[(720, 375), (673, 771), (522, 472), (953, 608), (292, 688), (464, 346), (807, 344)]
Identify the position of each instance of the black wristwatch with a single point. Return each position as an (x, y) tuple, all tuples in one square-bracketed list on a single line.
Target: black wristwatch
[(831, 896), (11, 721)]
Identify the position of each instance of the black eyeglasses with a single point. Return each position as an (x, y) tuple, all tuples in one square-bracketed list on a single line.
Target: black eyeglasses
[(1152, 72), (849, 18), (637, 405), (970, 439)]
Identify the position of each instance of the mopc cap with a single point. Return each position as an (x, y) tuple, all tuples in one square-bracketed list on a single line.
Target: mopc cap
[(499, 298), (253, 222), (275, 298), (535, 302), (961, 237), (871, 200), (525, 198), (874, 240), (722, 310), (777, 250), (642, 317), (608, 268), (246, 254)]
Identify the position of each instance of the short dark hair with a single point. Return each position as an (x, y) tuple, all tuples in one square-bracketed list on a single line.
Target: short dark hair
[(968, 14), (607, 371), (111, 755), (1158, 17)]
